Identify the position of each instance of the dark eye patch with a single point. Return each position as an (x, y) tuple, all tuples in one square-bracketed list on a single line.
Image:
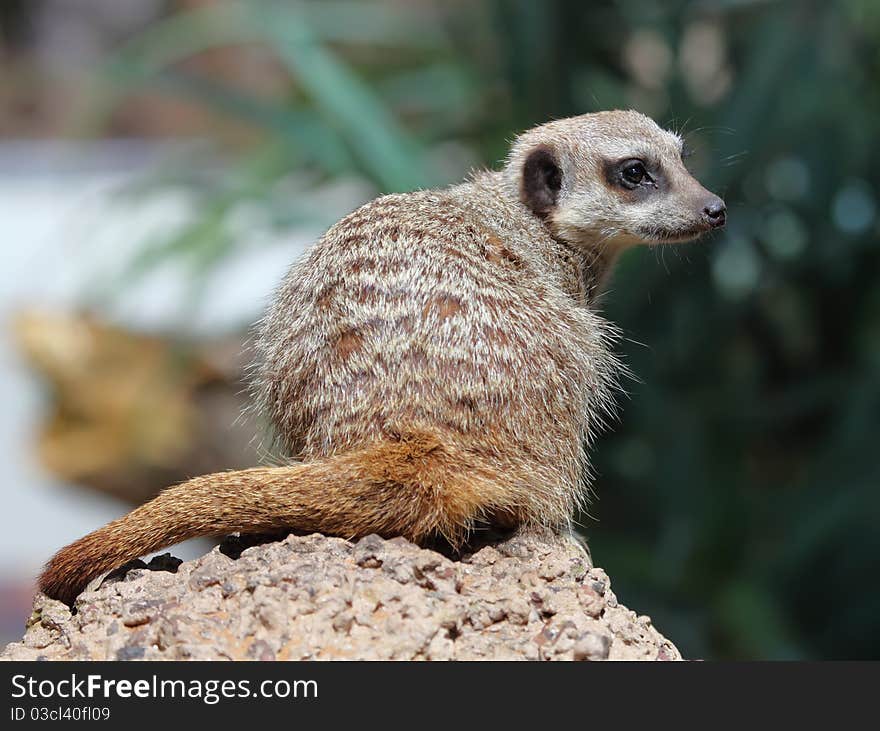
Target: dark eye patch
[(634, 177)]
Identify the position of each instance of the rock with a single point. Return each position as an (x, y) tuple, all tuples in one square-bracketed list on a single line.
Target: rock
[(529, 597)]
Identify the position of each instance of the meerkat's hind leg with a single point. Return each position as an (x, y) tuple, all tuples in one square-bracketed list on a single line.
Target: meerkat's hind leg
[(480, 535)]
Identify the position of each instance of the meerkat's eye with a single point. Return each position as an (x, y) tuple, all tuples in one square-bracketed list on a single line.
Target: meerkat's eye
[(633, 173)]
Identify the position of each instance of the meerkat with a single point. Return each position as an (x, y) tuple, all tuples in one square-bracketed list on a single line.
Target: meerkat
[(436, 361)]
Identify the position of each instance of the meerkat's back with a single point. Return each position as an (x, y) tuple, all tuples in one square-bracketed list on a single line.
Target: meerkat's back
[(436, 313)]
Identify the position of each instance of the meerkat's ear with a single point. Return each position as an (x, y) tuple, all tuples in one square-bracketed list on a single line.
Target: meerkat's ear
[(541, 180)]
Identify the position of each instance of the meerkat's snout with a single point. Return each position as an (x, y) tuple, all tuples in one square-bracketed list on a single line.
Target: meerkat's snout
[(715, 212)]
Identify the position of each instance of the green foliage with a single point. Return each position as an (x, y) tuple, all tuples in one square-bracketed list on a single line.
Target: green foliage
[(739, 493)]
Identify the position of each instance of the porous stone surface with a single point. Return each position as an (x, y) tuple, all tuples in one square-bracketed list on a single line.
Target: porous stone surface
[(529, 597)]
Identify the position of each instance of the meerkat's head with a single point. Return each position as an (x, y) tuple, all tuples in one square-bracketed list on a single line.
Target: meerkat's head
[(611, 177)]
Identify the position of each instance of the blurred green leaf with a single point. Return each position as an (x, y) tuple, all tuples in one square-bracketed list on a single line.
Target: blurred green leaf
[(385, 149)]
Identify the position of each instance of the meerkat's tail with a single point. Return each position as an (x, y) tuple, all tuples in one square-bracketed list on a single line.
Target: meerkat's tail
[(414, 487)]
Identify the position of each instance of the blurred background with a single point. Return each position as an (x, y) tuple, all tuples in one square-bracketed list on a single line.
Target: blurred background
[(162, 163)]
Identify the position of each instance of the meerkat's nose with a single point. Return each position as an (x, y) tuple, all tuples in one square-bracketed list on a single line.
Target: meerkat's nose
[(715, 212)]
